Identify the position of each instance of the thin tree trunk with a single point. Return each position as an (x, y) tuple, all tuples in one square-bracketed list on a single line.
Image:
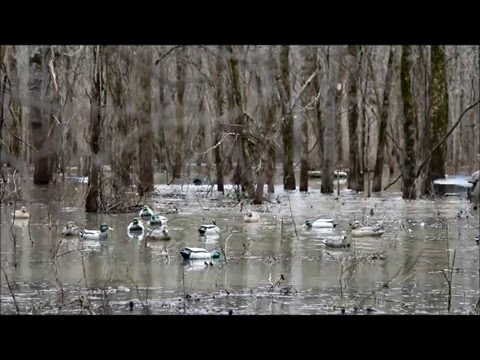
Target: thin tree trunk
[(283, 78), (97, 101), (2, 100), (438, 110), (38, 121), (145, 139), (244, 162), (307, 98), (382, 127), (16, 105), (181, 67), (330, 123), (352, 93), (258, 199), (409, 161), (220, 68), (271, 153), (426, 141)]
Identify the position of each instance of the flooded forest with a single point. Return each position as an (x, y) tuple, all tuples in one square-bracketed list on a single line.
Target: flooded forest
[(239, 179)]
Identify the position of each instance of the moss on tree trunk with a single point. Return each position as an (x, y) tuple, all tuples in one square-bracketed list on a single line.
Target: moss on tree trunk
[(409, 161)]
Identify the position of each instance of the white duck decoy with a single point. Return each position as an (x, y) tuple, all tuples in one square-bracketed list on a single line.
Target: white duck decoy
[(159, 234), (475, 191), (199, 253), (323, 222), (337, 241), (359, 230), (22, 213), (135, 226), (157, 220), (251, 217), (70, 229), (146, 213), (96, 234), (210, 229)]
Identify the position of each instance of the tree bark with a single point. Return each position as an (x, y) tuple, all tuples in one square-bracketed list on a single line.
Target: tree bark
[(382, 127), (244, 165), (181, 66), (38, 118), (271, 153), (352, 93), (283, 80), (97, 102), (330, 124), (145, 138), (438, 110), (219, 104), (309, 65), (409, 161)]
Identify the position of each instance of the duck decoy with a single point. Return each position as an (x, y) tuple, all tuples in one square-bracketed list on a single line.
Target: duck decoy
[(135, 226), (193, 253), (159, 234), (146, 213), (360, 230), (251, 217), (22, 213), (209, 229), (337, 241), (157, 220), (323, 222), (70, 229), (96, 234)]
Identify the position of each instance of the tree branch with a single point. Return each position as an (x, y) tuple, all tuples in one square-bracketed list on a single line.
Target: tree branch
[(437, 145), (445, 137)]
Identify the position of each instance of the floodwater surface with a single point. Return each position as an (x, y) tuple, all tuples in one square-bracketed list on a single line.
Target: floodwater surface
[(275, 266)]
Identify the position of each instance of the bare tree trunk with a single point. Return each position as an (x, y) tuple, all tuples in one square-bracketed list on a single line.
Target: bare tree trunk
[(330, 123), (426, 141), (119, 77), (271, 153), (363, 135), (409, 161), (38, 120), (244, 161), (219, 104), (2, 98), (258, 199), (308, 67), (97, 101), (352, 93), (55, 111), (338, 108), (382, 127), (16, 105), (145, 139), (181, 67), (283, 79), (438, 110)]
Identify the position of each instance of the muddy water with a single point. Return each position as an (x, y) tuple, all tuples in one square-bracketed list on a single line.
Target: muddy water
[(402, 272)]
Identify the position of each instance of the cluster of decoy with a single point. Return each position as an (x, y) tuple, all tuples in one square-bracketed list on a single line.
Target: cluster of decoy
[(157, 230), (338, 241)]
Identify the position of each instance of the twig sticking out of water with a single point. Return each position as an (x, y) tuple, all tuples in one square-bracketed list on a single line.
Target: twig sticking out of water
[(10, 289), (146, 310), (291, 214), (14, 238), (449, 279)]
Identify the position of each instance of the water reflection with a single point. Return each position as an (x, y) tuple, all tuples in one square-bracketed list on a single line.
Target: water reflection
[(400, 272)]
